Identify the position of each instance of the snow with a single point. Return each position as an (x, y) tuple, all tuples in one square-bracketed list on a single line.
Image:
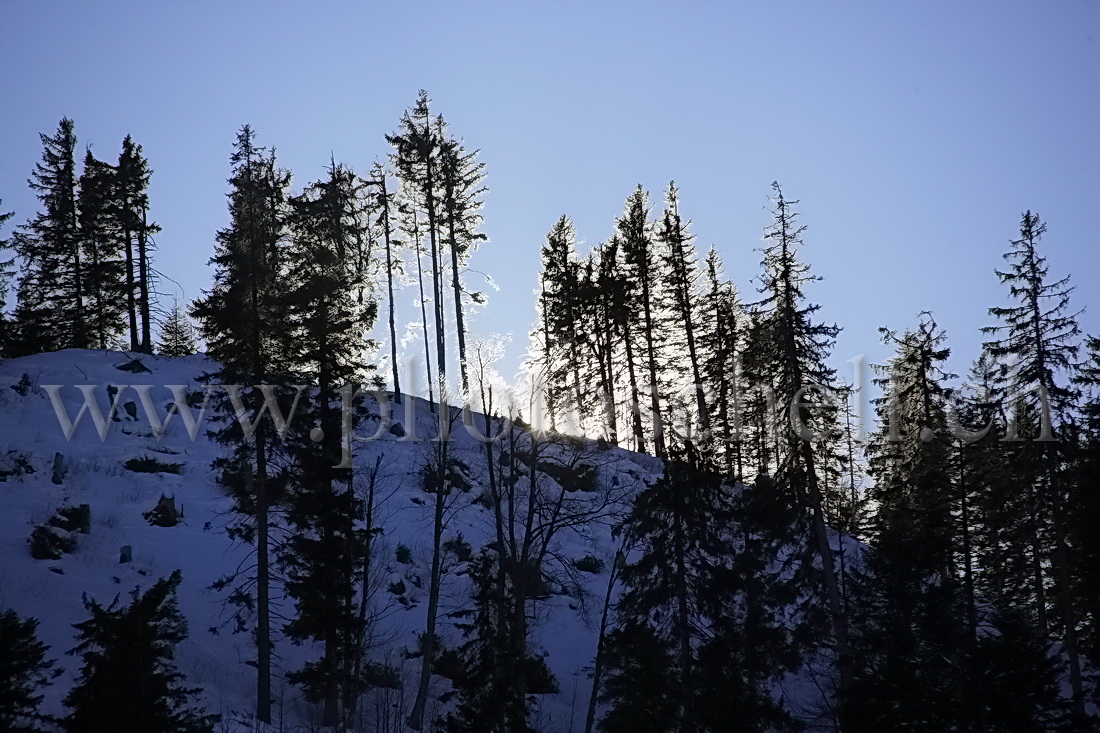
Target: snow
[(52, 590)]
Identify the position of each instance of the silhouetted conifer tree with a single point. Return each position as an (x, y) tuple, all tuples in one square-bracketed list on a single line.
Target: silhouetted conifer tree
[(50, 312), (792, 348), (461, 187), (416, 159), (490, 659), (323, 557), (1037, 344), (384, 209), (244, 325), (24, 671), (694, 648), (911, 638), (100, 233), (721, 322), (679, 268), (128, 680), (177, 335), (132, 181), (558, 331), (634, 234)]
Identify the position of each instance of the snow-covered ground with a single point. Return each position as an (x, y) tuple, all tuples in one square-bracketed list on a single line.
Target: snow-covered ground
[(213, 657)]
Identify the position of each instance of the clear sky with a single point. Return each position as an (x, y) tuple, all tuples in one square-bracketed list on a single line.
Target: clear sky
[(915, 134)]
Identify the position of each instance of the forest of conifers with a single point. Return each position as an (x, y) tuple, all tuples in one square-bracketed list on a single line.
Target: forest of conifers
[(940, 573)]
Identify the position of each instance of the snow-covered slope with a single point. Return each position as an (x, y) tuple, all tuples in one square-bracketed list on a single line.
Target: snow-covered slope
[(213, 657)]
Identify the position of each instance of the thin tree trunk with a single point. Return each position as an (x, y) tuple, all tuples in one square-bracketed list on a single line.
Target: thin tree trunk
[(437, 284), (1038, 586), (1062, 562), (131, 304), (143, 275), (361, 643), (832, 591), (654, 387), (635, 405), (683, 626), (428, 646), (547, 359), (459, 322), (968, 555), (263, 597), (597, 665), (389, 288), (424, 313)]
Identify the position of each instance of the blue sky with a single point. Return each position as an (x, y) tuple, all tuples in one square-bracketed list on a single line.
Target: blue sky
[(915, 135)]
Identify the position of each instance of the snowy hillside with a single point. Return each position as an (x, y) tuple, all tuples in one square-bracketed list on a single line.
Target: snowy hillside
[(43, 472)]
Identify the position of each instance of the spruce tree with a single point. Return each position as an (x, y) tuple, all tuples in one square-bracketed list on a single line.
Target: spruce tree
[(1037, 343), (680, 272), (622, 313), (133, 214), (384, 206), (244, 326), (911, 628), (640, 268), (491, 662), (128, 680), (601, 294), (664, 605), (792, 349), (721, 322), (50, 312), (1015, 679), (24, 671), (1085, 516), (559, 323), (416, 159), (177, 335), (1004, 539), (323, 555), (100, 234), (461, 179)]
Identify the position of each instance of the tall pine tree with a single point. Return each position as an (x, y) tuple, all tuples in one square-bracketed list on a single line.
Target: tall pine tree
[(133, 221), (793, 349), (50, 313), (324, 554), (1037, 343), (100, 233), (244, 326)]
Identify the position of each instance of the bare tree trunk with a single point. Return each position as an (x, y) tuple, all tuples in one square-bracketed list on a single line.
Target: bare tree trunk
[(263, 596), (832, 590), (428, 641), (143, 282), (597, 665), (386, 230), (550, 388), (1062, 562), (635, 405), (459, 322), (437, 284), (683, 626), (651, 358), (424, 314), (131, 304)]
